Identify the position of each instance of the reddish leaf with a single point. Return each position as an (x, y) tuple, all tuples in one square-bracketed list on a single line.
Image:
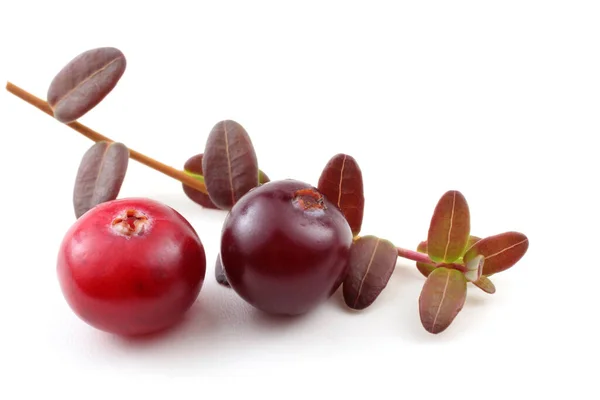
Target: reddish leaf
[(84, 82), (229, 164), (193, 167), (484, 283), (220, 273), (370, 266), (449, 228), (501, 251), (341, 182), (100, 175), (442, 298)]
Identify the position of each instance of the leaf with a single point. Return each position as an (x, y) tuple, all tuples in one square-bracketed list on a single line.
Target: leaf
[(442, 298), (371, 264), (471, 242), (474, 268), (193, 167), (342, 184), (484, 283), (84, 82), (100, 175), (449, 228), (501, 251), (262, 177), (229, 163), (426, 269), (220, 273)]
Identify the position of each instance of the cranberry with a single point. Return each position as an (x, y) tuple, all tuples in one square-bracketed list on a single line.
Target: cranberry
[(285, 247), (131, 266)]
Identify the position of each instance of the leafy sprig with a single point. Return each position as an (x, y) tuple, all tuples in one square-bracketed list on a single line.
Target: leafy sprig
[(217, 178), (449, 259), (450, 246)]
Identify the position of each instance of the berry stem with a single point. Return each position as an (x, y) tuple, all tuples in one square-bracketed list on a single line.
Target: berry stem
[(97, 137), (415, 256)]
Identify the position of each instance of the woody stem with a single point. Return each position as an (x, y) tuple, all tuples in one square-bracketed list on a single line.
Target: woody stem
[(181, 176)]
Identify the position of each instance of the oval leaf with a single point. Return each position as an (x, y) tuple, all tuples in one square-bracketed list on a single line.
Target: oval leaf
[(100, 175), (84, 82), (449, 228), (501, 251), (193, 167), (370, 266), (220, 273), (341, 182), (484, 283), (230, 165), (442, 297)]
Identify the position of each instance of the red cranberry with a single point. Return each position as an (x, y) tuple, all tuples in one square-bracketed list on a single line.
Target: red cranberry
[(131, 266), (284, 247)]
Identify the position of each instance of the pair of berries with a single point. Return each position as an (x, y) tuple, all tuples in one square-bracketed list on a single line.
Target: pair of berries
[(135, 266)]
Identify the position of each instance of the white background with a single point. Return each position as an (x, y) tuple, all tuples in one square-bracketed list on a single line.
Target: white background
[(499, 100)]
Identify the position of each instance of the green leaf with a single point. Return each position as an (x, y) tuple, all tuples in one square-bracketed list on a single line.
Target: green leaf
[(449, 228), (501, 251), (263, 178), (484, 283), (442, 298)]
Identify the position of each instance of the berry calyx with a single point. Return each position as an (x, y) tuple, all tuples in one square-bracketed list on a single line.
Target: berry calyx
[(309, 199), (130, 222)]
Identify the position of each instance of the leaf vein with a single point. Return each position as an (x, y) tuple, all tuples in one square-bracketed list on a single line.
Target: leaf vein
[(228, 163), (84, 81), (451, 223), (339, 202), (441, 301), (360, 286), (506, 249)]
